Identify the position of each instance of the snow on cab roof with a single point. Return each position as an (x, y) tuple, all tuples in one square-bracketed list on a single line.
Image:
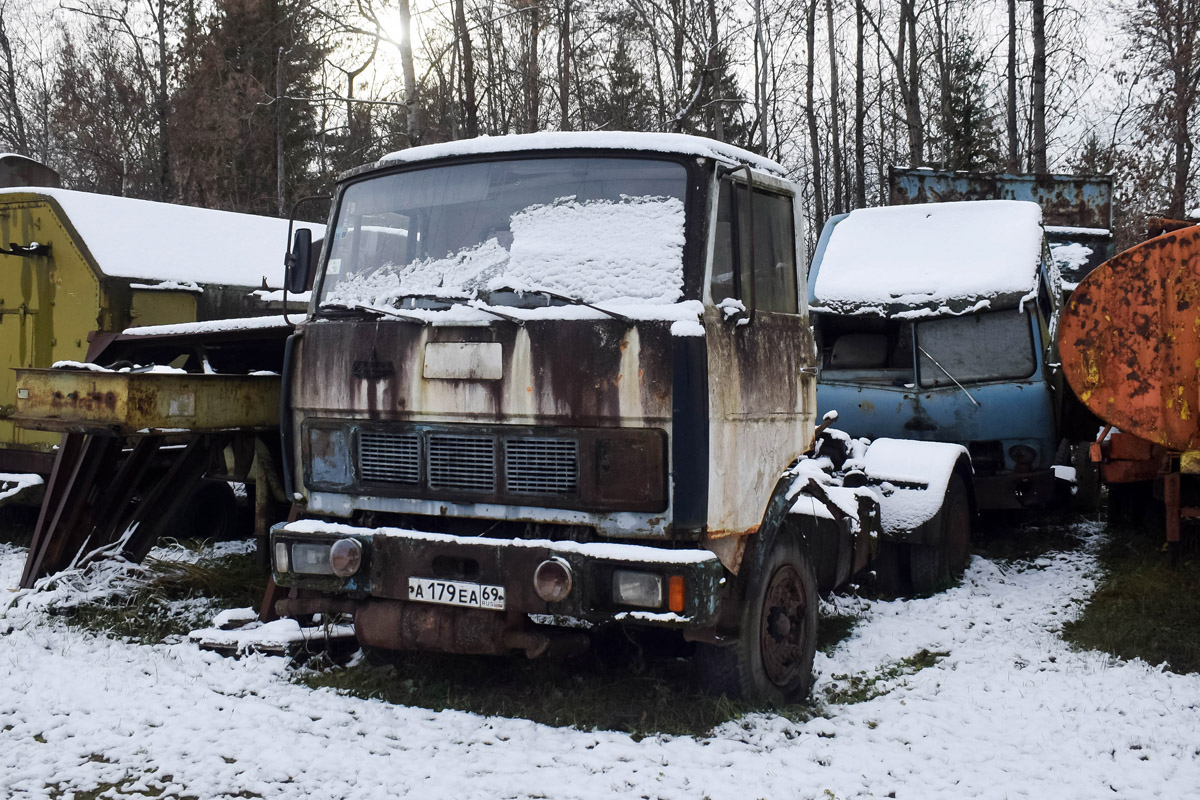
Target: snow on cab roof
[(677, 143), (150, 241), (930, 259)]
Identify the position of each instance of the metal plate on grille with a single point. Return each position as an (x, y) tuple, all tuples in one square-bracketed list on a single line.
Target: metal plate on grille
[(478, 361), (541, 466), (389, 457)]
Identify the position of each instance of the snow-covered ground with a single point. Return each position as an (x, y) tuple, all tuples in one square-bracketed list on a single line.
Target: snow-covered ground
[(1010, 711)]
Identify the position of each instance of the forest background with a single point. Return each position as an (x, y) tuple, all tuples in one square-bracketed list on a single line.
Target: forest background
[(247, 105)]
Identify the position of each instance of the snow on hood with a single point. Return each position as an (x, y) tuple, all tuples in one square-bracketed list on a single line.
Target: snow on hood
[(677, 143), (932, 258), (150, 241)]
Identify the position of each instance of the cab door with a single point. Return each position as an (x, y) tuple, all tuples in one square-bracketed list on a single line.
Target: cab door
[(761, 358)]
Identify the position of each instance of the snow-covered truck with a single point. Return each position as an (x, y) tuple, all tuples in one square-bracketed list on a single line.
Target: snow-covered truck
[(555, 379), (937, 322)]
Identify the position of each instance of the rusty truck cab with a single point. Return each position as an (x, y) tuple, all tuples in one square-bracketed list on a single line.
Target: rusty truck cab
[(553, 374)]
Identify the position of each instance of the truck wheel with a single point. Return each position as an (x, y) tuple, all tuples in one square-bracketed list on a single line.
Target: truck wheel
[(773, 656), (934, 567)]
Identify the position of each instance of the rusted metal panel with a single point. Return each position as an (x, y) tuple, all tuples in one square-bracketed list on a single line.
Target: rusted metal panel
[(1128, 340), (127, 403), (585, 373), (1082, 201), (762, 408)]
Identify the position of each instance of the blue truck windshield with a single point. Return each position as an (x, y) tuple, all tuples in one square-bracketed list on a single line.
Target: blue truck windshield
[(597, 229)]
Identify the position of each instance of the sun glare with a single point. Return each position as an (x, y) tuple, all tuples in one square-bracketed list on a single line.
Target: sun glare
[(391, 23)]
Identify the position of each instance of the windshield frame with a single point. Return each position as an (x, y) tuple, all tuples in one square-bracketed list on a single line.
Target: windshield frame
[(695, 224)]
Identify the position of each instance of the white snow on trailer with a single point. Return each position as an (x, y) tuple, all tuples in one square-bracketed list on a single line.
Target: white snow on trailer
[(148, 241), (931, 258)]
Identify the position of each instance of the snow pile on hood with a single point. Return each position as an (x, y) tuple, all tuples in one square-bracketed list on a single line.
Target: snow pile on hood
[(151, 241), (933, 258), (676, 143), (598, 251)]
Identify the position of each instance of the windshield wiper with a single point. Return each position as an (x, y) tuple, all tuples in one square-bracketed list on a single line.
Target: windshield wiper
[(566, 298), (925, 353), (451, 300), (382, 312)]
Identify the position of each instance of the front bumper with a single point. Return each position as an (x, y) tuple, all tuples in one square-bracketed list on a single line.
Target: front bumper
[(393, 556)]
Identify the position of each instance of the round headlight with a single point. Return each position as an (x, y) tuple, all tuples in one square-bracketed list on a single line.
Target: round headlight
[(552, 580), (345, 557), (1022, 454)]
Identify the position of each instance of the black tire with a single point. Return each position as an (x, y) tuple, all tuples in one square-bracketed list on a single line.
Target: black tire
[(934, 567), (891, 569), (771, 661)]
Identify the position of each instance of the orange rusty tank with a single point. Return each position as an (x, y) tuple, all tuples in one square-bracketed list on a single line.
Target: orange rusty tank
[(1130, 340)]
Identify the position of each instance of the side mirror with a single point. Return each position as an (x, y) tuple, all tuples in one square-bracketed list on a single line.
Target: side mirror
[(300, 262)]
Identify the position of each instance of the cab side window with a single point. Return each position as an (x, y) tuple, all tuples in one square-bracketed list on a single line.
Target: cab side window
[(774, 270)]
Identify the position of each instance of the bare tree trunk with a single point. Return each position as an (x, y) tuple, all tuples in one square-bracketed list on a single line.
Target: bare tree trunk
[(908, 81), (469, 101), (162, 108), (760, 62), (531, 67), (1014, 155), (1039, 86), (281, 208), (677, 63), (860, 112), (916, 127), (941, 57), (834, 112), (810, 112), (20, 137), (410, 73), (564, 69), (1184, 23), (717, 115)]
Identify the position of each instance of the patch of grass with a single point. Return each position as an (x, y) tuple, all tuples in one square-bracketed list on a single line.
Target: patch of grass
[(121, 788), (1018, 536), (622, 685), (851, 689), (176, 598), (1148, 604), (833, 629)]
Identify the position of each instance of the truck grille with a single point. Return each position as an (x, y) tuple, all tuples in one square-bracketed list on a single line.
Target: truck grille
[(463, 463), (541, 466), (389, 457), (470, 462)]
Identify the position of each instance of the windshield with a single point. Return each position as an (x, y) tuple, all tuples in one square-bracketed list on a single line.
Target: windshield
[(593, 229), (979, 347)]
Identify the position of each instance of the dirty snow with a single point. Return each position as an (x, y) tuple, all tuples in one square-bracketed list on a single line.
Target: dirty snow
[(943, 258), (1009, 712), (610, 140), (151, 241), (597, 251)]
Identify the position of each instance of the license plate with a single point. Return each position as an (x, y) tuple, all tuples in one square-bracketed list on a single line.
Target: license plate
[(456, 593)]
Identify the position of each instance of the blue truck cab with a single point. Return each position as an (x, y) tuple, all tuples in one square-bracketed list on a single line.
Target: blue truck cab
[(936, 322)]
